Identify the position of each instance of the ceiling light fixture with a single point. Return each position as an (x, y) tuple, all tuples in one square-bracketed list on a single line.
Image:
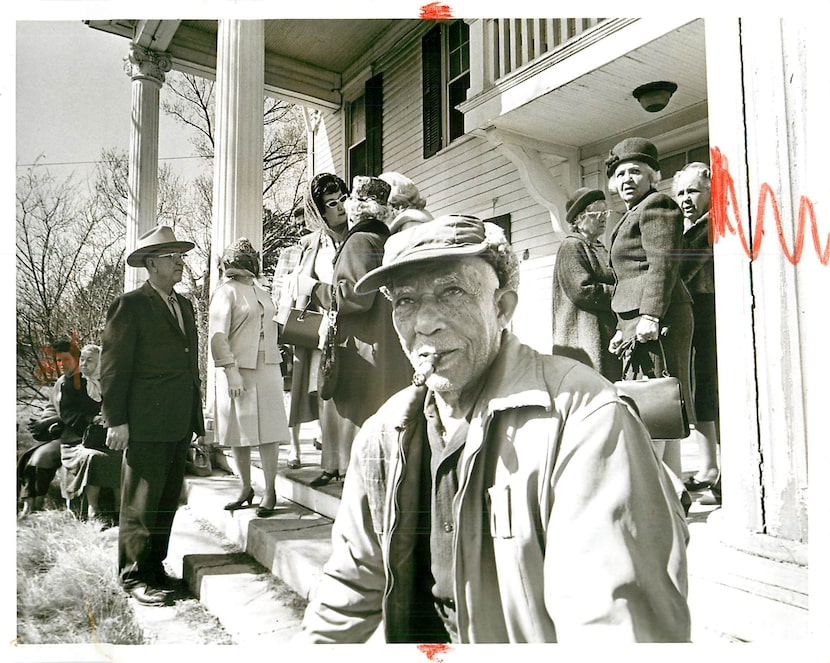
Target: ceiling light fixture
[(655, 96)]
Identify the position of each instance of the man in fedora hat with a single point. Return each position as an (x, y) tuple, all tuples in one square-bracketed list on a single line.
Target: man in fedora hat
[(507, 495), (152, 405)]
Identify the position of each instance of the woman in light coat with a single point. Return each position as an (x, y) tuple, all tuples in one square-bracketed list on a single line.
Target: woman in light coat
[(249, 388)]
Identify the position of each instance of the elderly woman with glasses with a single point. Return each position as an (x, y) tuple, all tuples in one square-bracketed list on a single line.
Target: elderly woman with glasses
[(653, 306), (583, 283)]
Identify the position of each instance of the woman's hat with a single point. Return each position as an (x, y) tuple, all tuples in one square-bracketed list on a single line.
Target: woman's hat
[(157, 240), (580, 200), (374, 188), (631, 149), (448, 236)]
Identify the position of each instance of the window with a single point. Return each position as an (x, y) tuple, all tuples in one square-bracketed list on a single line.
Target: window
[(365, 130), (670, 164), (445, 52)]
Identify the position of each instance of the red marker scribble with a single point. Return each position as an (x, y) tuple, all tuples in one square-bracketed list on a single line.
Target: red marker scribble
[(724, 197), (432, 651), (436, 11)]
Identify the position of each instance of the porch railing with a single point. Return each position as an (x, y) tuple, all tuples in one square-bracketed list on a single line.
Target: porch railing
[(515, 42)]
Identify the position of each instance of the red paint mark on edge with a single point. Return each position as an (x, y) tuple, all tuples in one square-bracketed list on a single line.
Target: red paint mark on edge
[(432, 651), (724, 199), (436, 11)]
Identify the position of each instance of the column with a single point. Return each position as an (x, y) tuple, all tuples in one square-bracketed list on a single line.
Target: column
[(237, 186), (237, 179), (146, 69)]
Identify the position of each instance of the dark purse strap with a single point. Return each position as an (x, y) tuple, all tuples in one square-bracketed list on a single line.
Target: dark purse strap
[(628, 359)]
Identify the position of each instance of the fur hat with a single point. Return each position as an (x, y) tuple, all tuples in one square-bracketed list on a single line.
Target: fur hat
[(631, 149), (374, 188), (580, 200), (158, 240)]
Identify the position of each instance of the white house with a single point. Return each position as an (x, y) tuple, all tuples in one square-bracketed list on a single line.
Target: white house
[(502, 118)]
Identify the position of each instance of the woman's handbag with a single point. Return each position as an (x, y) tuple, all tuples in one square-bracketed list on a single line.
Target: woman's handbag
[(95, 437), (658, 401), (302, 328), (329, 367), (198, 461)]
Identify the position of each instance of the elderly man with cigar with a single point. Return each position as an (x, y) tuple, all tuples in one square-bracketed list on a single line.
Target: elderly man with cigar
[(507, 495)]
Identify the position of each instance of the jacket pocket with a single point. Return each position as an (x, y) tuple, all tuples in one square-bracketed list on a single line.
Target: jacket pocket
[(499, 507)]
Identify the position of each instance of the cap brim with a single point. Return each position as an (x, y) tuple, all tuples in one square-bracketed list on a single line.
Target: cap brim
[(136, 258), (381, 275)]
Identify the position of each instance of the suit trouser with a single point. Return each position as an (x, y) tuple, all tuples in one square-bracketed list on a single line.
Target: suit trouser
[(151, 484)]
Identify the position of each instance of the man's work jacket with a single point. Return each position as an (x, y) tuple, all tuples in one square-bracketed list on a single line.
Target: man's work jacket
[(566, 525)]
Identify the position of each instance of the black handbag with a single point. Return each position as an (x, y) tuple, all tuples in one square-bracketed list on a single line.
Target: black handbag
[(95, 437), (329, 368), (658, 401), (302, 328)]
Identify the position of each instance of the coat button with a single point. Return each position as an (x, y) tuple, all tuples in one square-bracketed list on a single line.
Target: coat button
[(448, 527), (187, 349)]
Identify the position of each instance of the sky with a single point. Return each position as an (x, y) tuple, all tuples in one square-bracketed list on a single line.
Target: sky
[(73, 100)]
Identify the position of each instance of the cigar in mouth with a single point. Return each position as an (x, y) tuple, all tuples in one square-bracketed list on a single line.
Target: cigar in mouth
[(424, 369)]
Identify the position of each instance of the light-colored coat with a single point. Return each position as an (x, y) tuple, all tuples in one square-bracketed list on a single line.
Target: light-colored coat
[(235, 323), (586, 540)]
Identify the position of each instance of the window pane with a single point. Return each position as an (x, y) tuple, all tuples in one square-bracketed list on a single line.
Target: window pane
[(357, 120), (457, 94), (700, 154)]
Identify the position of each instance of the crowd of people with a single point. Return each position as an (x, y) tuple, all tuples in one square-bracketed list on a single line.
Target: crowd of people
[(494, 493)]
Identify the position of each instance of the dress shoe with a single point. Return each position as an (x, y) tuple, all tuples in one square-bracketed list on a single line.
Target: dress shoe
[(325, 478), (165, 583), (239, 504), (147, 595), (294, 464), (694, 484), (265, 512)]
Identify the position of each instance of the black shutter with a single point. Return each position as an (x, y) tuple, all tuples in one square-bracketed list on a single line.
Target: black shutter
[(374, 125), (431, 64)]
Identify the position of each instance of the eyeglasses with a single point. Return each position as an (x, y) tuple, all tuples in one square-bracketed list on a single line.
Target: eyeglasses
[(174, 255), (334, 203), (599, 216)]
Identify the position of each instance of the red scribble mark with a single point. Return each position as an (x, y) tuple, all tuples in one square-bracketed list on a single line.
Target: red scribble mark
[(724, 197), (432, 651), (436, 11)]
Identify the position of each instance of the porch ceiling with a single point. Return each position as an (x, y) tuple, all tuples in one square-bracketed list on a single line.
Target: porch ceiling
[(306, 58), (597, 107)]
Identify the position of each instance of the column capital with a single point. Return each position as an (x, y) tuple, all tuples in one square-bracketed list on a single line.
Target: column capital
[(144, 64)]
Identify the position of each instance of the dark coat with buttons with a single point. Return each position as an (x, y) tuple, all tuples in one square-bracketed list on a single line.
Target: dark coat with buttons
[(646, 250), (150, 369)]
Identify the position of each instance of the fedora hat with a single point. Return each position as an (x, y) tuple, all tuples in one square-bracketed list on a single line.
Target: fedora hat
[(156, 240)]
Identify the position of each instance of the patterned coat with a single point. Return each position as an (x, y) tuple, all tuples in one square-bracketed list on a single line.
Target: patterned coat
[(583, 322)]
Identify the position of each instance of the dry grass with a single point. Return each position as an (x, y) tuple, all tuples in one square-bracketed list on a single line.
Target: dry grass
[(67, 587)]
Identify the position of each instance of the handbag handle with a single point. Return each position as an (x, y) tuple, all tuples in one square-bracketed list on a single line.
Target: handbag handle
[(628, 355)]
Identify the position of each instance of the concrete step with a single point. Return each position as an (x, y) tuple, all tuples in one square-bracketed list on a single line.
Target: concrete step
[(293, 544)]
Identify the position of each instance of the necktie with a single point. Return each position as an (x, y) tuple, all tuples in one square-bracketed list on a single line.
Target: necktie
[(174, 307)]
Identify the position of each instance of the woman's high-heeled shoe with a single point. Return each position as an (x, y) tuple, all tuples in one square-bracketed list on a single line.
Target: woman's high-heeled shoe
[(325, 478), (239, 504)]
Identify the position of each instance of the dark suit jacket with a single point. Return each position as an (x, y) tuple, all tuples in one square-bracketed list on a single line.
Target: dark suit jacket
[(645, 254), (149, 369)]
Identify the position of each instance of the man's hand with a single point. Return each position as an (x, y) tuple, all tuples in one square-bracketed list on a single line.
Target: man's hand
[(235, 384), (118, 437)]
